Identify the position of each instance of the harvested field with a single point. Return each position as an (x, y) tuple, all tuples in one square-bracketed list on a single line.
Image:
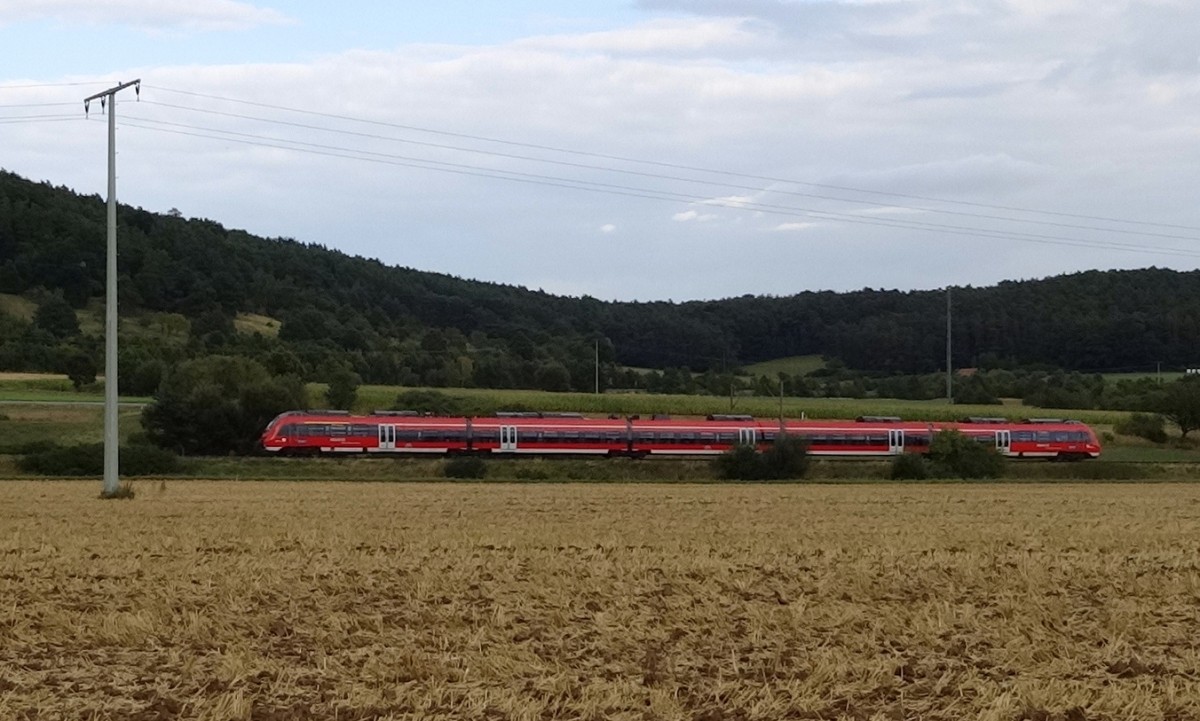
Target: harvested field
[(220, 600)]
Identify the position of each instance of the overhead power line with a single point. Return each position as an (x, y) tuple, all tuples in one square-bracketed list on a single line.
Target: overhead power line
[(679, 166), (32, 86), (37, 119), (38, 105), (629, 191), (659, 176)]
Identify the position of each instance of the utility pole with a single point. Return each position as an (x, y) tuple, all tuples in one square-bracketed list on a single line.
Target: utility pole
[(949, 380), (108, 99), (597, 341), (781, 406)]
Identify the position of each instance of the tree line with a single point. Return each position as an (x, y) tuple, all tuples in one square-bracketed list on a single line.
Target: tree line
[(184, 282)]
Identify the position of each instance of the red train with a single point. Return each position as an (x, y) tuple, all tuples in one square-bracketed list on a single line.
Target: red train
[(313, 432)]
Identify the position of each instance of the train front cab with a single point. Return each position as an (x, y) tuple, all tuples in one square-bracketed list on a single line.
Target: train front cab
[(1055, 439)]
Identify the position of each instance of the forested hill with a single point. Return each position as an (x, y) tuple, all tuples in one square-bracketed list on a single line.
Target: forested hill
[(399, 325)]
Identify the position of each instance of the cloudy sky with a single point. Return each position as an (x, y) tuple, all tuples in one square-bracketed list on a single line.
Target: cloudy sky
[(638, 149)]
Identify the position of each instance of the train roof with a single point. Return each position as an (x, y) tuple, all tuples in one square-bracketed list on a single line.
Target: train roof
[(534, 418)]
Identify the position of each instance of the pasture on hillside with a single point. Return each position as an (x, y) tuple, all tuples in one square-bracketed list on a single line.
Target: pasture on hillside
[(219, 600)]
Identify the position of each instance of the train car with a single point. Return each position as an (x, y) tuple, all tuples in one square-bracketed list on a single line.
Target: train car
[(699, 437), (1054, 439), (391, 432), (550, 434)]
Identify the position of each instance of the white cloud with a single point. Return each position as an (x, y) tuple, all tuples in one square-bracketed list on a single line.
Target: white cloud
[(692, 215), (657, 36), (731, 201), (145, 14), (792, 227), (887, 210), (607, 228)]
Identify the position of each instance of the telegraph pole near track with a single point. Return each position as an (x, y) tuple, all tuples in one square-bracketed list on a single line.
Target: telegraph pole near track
[(108, 100), (949, 377)]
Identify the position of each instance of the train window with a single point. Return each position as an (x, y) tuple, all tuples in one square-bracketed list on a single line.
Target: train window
[(549, 436), (591, 437), (1060, 436), (338, 429), (769, 436), (916, 440), (293, 430), (486, 434), (877, 440), (989, 438), (1078, 436), (857, 440), (666, 437), (708, 437), (318, 429), (362, 430), (645, 436), (1022, 436), (407, 434), (570, 436), (612, 437), (1043, 436), (725, 437)]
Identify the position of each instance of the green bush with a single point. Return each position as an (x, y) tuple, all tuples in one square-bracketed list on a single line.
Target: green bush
[(530, 473), (24, 449), (85, 460), (787, 458), (955, 455), (465, 467), (741, 463), (909, 467), (146, 460), (1143, 425), (343, 388), (218, 405), (88, 460), (428, 401)]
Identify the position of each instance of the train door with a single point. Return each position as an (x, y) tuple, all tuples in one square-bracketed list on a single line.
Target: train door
[(387, 437), (1004, 442), (747, 436), (508, 438), (895, 442)]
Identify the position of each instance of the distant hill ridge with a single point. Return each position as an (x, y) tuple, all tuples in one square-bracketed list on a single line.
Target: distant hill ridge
[(331, 303)]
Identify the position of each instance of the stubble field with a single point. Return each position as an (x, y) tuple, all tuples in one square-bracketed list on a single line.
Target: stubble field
[(224, 600)]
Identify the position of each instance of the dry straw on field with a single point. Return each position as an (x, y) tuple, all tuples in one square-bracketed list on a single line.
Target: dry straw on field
[(362, 601)]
